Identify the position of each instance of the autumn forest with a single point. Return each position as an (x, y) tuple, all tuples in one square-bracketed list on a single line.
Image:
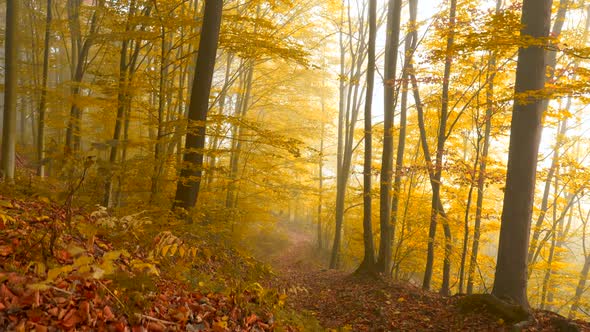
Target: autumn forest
[(295, 165)]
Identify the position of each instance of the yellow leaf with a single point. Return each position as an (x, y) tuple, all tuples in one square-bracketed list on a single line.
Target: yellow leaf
[(181, 251), (173, 249), (6, 204), (52, 274), (165, 250), (75, 250), (83, 260), (38, 286)]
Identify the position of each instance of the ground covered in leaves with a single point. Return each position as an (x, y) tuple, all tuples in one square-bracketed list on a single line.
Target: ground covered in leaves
[(59, 277), (342, 301), (64, 269)]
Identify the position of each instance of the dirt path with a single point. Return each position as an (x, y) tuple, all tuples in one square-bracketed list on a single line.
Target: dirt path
[(341, 301)]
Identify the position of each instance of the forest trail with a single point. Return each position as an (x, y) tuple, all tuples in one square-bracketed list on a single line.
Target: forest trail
[(341, 301)]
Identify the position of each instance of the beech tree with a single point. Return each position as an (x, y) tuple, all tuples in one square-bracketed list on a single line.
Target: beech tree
[(368, 263), (525, 135), (385, 202), (10, 90), (187, 189)]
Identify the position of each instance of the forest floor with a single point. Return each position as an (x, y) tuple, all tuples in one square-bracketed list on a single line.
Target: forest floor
[(341, 301), (125, 274)]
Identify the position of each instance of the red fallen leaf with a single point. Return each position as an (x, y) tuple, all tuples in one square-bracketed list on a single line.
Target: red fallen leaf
[(60, 300), (40, 328), (108, 313), (2, 306), (251, 319), (35, 316), (31, 298), (62, 313), (20, 327), (6, 293), (155, 327), (71, 319), (63, 255), (84, 311), (119, 326)]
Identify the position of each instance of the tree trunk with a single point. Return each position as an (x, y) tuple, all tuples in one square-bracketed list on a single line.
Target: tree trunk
[(551, 58), (368, 263), (525, 134), (483, 163), (240, 114), (10, 90), (349, 123), (580, 288), (79, 63), (43, 99), (187, 190), (385, 202), (436, 184)]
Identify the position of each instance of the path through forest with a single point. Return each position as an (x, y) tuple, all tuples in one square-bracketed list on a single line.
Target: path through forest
[(342, 301)]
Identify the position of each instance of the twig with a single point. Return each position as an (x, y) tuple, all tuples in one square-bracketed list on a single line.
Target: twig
[(165, 322), (111, 293), (61, 290)]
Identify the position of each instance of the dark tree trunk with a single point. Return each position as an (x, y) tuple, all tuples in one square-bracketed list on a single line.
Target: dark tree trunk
[(525, 134), (368, 263), (10, 90), (187, 189), (391, 50)]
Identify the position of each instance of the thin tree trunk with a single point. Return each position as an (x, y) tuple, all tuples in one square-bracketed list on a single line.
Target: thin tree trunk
[(350, 120), (80, 52), (410, 47), (43, 99), (466, 221), (438, 167)]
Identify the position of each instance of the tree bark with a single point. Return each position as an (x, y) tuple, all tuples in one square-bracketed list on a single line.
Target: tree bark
[(410, 47), (483, 164), (368, 263), (436, 183), (187, 190), (43, 98), (385, 195), (10, 90), (525, 134), (80, 51)]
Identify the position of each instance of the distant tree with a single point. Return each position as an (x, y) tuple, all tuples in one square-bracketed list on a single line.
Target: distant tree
[(10, 91), (43, 100), (525, 134), (187, 189)]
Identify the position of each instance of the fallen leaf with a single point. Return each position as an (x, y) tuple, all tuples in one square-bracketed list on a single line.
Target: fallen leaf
[(6, 250)]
